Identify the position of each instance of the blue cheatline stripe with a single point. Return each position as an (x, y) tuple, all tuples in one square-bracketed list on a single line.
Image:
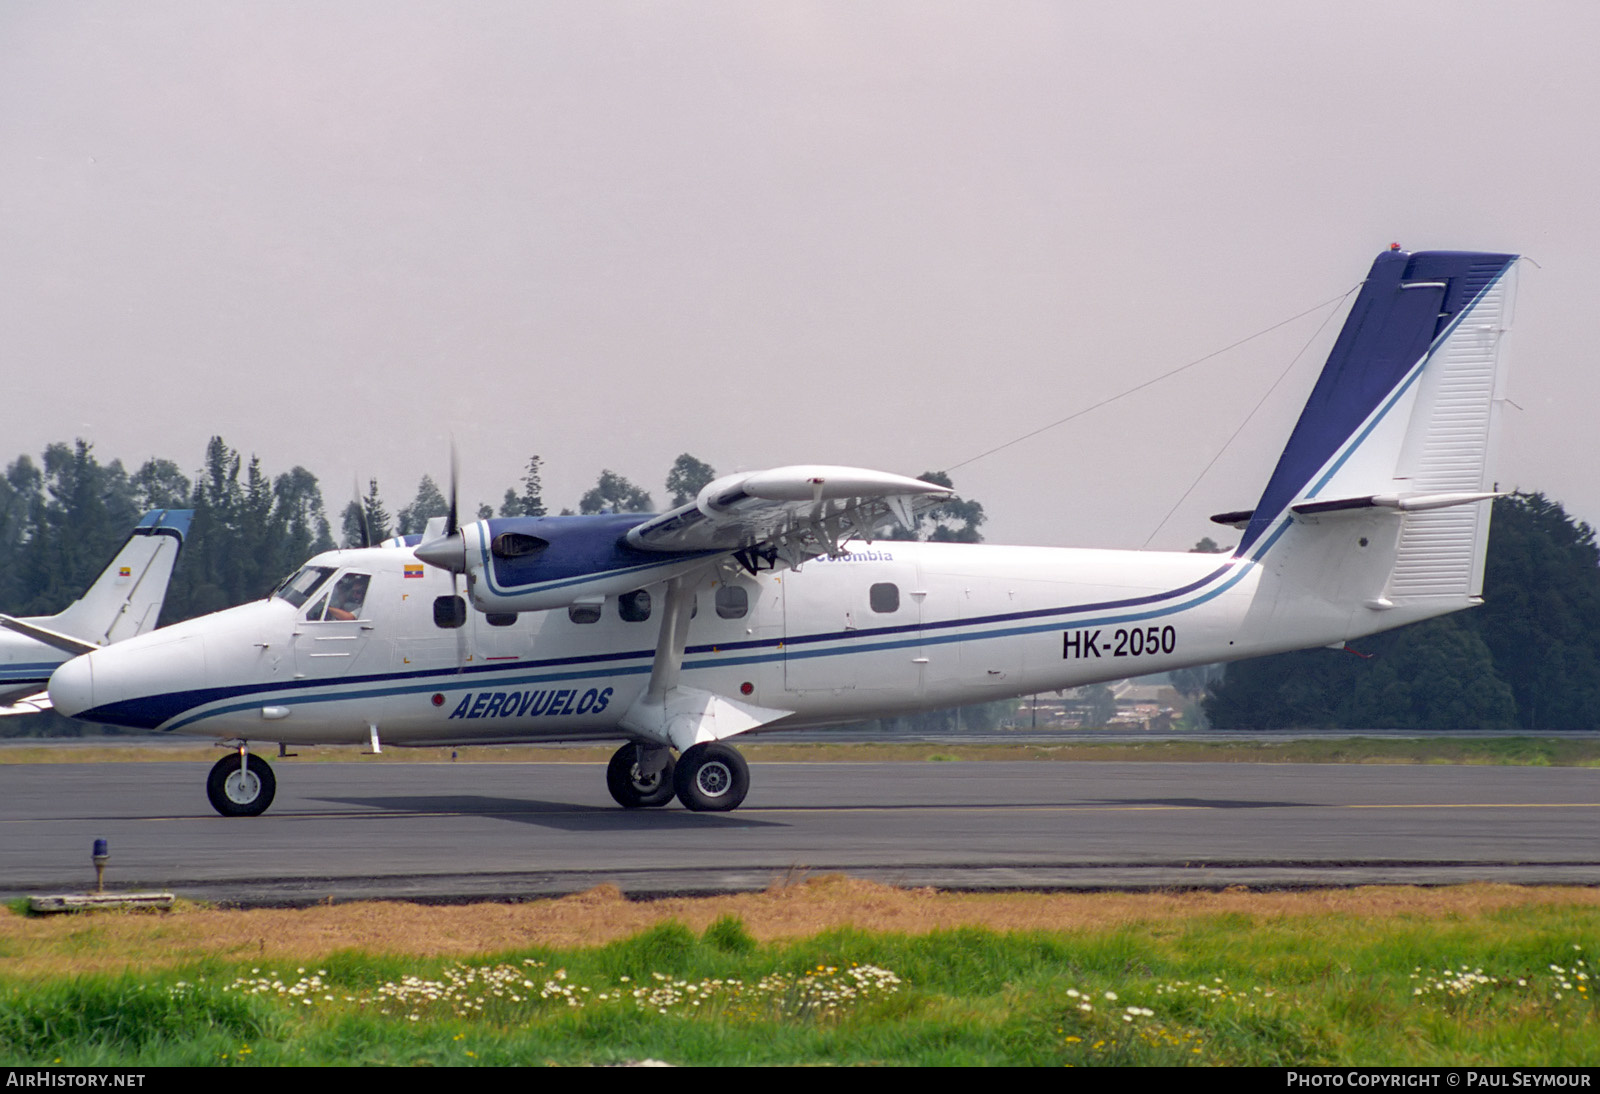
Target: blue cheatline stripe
[(31, 668), (429, 680), (410, 689)]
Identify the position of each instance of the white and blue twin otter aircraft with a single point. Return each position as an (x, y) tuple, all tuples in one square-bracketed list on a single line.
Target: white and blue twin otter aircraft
[(124, 601), (765, 603)]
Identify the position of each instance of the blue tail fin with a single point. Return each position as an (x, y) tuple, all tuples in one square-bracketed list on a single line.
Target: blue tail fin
[(1375, 425)]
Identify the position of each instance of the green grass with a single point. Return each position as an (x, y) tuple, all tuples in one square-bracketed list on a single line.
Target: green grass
[(1494, 988)]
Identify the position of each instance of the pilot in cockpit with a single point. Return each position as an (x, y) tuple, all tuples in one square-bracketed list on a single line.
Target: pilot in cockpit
[(347, 598)]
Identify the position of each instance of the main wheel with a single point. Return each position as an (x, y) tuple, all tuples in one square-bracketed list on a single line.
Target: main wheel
[(633, 790), (241, 793), (712, 777)]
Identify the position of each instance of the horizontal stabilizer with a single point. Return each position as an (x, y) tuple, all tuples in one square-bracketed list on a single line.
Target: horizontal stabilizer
[(1405, 503), (1238, 519), (64, 642)]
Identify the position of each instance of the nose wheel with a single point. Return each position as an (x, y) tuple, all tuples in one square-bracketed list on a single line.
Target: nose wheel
[(241, 785)]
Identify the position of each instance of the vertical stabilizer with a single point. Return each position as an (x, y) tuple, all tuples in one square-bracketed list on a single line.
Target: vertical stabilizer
[(1377, 513), (1404, 405), (126, 598)]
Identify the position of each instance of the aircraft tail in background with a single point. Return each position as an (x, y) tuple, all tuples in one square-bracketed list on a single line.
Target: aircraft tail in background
[(124, 600)]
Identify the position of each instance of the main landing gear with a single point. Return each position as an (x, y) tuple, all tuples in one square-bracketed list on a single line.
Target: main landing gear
[(640, 777), (241, 785), (708, 778)]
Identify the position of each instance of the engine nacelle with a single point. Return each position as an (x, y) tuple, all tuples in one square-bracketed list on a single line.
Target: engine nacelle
[(526, 564)]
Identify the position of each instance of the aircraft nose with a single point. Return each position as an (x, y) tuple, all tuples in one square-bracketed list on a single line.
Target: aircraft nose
[(72, 686)]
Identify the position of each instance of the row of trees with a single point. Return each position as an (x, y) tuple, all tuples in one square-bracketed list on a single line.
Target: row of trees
[(368, 520), (1529, 657), (62, 517)]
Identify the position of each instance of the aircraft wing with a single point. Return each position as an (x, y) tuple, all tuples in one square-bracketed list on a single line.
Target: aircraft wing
[(759, 518), (792, 513), (55, 639)]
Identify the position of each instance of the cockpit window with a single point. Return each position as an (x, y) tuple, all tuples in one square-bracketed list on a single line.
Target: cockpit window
[(314, 612), (297, 588), (344, 603)]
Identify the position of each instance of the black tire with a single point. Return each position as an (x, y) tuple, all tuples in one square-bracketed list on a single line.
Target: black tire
[(632, 791), (235, 797), (712, 778)]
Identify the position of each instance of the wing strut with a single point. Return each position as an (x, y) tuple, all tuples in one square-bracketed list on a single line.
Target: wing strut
[(670, 713), (674, 636)]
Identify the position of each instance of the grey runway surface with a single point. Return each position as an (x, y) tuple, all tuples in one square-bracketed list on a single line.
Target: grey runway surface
[(465, 831)]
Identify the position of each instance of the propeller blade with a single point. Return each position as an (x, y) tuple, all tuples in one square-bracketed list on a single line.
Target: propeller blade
[(449, 551), (361, 512), (452, 523)]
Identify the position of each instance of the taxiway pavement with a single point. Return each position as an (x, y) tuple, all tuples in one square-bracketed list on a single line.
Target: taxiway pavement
[(466, 831)]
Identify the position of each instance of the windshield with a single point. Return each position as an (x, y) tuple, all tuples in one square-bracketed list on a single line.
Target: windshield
[(298, 588)]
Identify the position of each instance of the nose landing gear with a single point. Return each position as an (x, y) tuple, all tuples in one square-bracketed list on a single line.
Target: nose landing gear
[(241, 785)]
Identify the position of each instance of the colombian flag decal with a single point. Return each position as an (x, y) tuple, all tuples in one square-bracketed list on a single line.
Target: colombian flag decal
[(413, 571), (124, 571)]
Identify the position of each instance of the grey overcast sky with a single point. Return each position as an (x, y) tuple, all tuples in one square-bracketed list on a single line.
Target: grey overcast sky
[(885, 234)]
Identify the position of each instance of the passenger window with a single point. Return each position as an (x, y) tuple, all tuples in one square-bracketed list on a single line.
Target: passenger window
[(449, 612), (584, 613), (500, 619), (885, 597), (344, 603), (733, 601), (634, 607)]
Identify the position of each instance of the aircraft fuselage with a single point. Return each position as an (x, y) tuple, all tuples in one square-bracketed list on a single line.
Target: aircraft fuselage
[(890, 628)]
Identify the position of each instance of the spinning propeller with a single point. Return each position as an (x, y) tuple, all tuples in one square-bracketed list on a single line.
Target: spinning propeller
[(448, 552)]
